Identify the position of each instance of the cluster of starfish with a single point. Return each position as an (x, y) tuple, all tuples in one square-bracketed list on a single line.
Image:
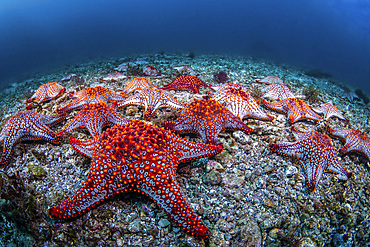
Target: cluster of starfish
[(137, 156)]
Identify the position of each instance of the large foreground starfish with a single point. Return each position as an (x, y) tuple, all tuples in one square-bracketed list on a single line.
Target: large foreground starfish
[(94, 117), (91, 95), (316, 154), (28, 125), (152, 99), (237, 100), (137, 157), (355, 141), (296, 109), (46, 92), (207, 118)]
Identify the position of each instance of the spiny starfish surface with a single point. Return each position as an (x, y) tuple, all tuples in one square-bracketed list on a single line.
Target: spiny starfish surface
[(316, 153), (329, 111), (277, 91), (46, 92), (136, 84), (137, 157), (355, 141), (28, 125), (296, 109), (94, 117), (237, 100), (91, 95), (186, 82), (152, 99), (207, 118)]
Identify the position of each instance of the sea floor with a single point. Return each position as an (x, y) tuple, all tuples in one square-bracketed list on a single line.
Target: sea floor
[(246, 195)]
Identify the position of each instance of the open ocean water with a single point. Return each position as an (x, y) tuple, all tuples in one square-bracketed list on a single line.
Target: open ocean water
[(246, 195)]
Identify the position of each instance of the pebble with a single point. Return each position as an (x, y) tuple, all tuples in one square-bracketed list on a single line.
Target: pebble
[(290, 171)]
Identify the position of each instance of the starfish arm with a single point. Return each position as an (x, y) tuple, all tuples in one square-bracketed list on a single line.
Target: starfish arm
[(133, 100), (51, 120), (115, 96), (76, 123), (336, 168), (76, 104), (286, 149), (8, 144), (170, 198), (342, 134), (94, 191), (116, 119), (173, 104), (192, 150), (84, 147), (276, 106), (313, 173)]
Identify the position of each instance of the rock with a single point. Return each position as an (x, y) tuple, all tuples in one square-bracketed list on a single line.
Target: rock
[(164, 223), (36, 169), (241, 137), (213, 177), (233, 180), (291, 171), (135, 226), (250, 233), (306, 242)]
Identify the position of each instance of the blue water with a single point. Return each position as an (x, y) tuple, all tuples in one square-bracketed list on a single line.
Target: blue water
[(330, 35)]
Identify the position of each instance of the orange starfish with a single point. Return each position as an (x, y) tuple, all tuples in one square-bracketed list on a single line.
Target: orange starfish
[(94, 117), (237, 100), (46, 92), (152, 99), (355, 141), (296, 109), (136, 84), (207, 118), (186, 82), (91, 95)]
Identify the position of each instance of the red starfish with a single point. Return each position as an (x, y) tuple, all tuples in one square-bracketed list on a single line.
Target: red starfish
[(296, 109), (136, 84), (94, 117), (316, 154), (137, 157), (237, 100), (28, 125), (270, 79), (355, 141), (91, 95), (277, 91), (329, 111), (152, 99), (207, 118), (186, 82), (46, 92)]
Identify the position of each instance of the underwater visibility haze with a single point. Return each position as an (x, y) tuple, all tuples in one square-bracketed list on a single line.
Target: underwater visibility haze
[(331, 36), (185, 123)]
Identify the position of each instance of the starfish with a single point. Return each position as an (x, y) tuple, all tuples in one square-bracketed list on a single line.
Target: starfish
[(207, 118), (28, 125), (137, 157), (184, 69), (152, 99), (91, 95), (277, 91), (186, 82), (355, 141), (47, 92), (94, 117), (136, 84), (296, 109), (316, 153), (329, 111), (270, 79), (349, 95), (237, 100)]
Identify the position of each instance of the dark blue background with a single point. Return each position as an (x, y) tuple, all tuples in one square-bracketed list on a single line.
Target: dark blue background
[(332, 35)]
